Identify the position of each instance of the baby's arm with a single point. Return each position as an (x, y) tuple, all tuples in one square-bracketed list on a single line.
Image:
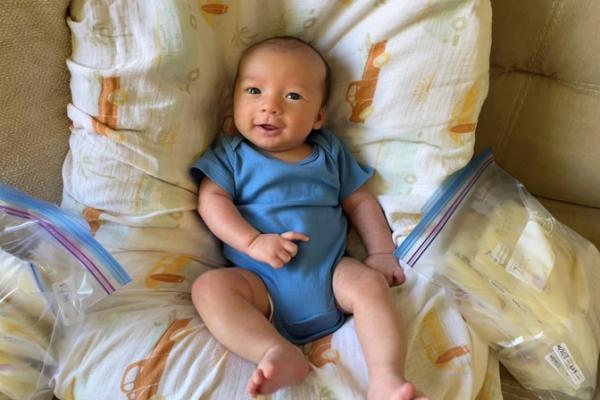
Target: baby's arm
[(224, 220), (368, 219)]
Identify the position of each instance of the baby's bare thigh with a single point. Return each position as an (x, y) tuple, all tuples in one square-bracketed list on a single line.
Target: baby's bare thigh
[(353, 281), (260, 294), (239, 281)]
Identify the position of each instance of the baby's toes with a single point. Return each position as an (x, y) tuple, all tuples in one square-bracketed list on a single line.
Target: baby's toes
[(255, 382)]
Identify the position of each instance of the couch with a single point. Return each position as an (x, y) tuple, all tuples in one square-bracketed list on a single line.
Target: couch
[(540, 117)]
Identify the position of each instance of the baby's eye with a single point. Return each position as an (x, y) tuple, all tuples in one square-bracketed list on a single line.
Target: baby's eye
[(253, 90), (293, 96)]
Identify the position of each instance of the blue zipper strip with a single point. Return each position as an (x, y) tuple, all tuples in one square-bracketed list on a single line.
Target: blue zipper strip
[(448, 196), (67, 244), (69, 223)]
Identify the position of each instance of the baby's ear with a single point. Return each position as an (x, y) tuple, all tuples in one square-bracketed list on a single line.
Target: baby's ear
[(320, 121), (228, 127)]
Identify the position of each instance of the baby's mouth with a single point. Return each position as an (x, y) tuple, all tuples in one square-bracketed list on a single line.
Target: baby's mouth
[(268, 127)]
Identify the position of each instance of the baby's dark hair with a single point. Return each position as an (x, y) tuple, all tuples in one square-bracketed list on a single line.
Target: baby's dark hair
[(289, 43)]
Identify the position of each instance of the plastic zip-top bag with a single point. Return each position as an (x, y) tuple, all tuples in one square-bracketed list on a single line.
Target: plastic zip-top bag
[(521, 279), (51, 271)]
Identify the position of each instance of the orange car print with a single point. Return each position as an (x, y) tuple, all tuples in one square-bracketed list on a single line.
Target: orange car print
[(214, 8), (111, 97), (320, 352), (106, 119), (140, 380), (465, 111), (92, 216), (439, 347), (168, 270), (451, 354), (360, 93)]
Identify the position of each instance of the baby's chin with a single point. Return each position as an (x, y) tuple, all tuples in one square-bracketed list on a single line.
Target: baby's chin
[(276, 148), (266, 144)]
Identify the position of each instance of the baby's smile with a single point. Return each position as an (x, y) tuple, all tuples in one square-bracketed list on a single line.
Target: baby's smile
[(268, 129)]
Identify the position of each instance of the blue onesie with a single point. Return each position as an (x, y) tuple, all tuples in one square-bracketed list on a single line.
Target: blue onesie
[(275, 197)]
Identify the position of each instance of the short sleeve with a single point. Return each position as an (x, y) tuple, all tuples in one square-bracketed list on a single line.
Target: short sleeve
[(352, 174), (216, 163)]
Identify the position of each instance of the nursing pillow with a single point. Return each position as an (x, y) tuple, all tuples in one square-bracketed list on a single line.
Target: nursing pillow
[(151, 84)]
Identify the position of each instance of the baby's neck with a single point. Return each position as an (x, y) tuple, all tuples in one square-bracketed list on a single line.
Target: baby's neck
[(296, 154)]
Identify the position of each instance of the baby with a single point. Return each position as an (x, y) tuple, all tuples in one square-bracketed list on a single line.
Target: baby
[(279, 194)]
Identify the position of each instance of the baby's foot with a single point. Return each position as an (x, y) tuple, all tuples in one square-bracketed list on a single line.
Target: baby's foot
[(280, 366), (391, 387)]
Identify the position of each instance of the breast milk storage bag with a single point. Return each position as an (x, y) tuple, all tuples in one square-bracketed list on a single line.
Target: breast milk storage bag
[(521, 279), (51, 271)]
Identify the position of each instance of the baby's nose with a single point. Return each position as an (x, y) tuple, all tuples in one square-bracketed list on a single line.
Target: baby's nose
[(271, 106), (270, 110)]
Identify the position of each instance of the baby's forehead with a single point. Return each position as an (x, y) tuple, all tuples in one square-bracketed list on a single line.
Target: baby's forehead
[(316, 69), (300, 51), (301, 55)]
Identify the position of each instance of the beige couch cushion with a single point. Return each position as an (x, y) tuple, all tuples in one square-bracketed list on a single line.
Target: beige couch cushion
[(542, 113), (541, 116), (34, 82)]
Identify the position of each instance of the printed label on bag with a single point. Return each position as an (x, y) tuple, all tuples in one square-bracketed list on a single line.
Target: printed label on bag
[(533, 257), (562, 361), (66, 299), (554, 361)]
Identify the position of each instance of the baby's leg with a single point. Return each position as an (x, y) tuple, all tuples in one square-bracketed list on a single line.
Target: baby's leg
[(233, 303), (364, 292)]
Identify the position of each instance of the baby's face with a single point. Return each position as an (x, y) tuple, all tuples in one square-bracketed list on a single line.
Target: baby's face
[(278, 98)]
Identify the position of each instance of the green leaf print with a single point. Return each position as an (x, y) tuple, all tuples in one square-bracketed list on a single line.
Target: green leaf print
[(325, 393)]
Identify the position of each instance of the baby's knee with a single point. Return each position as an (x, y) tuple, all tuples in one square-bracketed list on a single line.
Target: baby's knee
[(371, 283), (215, 284), (223, 284), (374, 282), (201, 286)]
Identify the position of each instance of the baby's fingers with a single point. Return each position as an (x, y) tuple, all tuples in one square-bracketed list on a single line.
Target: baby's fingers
[(284, 256), (276, 262), (279, 259), (291, 248), (294, 236), (399, 277)]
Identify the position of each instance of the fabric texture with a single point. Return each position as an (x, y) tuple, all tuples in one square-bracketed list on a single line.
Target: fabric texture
[(409, 113), (137, 345), (292, 197), (34, 82)]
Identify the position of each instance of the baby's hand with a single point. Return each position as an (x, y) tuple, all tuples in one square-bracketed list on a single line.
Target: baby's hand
[(275, 250), (388, 265)]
